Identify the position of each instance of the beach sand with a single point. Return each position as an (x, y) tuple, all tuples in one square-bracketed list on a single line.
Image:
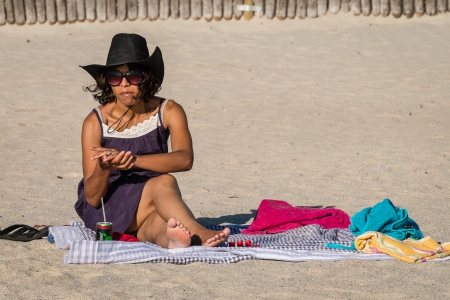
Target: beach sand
[(339, 111)]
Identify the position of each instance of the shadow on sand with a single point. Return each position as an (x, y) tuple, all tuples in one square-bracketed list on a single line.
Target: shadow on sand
[(228, 219)]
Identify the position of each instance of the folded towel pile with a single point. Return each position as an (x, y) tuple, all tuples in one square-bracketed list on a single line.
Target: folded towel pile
[(386, 218)]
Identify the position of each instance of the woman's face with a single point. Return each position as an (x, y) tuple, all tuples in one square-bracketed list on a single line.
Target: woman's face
[(125, 92)]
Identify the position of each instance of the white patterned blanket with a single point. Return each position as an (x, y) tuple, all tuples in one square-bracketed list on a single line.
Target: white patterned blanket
[(301, 244)]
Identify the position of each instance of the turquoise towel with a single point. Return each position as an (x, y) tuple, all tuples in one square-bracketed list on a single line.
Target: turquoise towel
[(384, 217)]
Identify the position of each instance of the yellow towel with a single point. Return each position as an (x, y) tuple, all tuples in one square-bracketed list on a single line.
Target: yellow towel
[(408, 250)]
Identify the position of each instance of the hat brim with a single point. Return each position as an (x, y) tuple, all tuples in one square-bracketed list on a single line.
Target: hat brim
[(154, 63)]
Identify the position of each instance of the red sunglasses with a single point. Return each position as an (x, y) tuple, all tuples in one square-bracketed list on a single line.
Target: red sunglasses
[(133, 77)]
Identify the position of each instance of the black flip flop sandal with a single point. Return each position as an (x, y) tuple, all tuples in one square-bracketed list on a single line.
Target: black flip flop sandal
[(23, 233)]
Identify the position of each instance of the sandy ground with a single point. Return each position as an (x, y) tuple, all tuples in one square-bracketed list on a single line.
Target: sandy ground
[(337, 111)]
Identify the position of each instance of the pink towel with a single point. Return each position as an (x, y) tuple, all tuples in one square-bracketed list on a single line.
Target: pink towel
[(274, 216)]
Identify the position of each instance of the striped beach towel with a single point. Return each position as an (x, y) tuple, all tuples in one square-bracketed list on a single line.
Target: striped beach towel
[(301, 244)]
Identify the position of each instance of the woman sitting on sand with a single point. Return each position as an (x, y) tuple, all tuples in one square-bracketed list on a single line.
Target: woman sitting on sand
[(125, 152)]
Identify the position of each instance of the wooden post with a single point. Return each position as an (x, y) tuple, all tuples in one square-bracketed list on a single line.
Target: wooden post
[(71, 11), (366, 7), (301, 8), (185, 10), (40, 11), (396, 8), (19, 12), (217, 9), (408, 8), (153, 9), (259, 3), (174, 9), (9, 11), (312, 9), (121, 10), (142, 9), (281, 9), (132, 9), (196, 9), (270, 9), (385, 8), (441, 6), (355, 6), (376, 7), (2, 13), (207, 10), (345, 5), (111, 10), (335, 5), (81, 12), (321, 7), (227, 9), (90, 10), (248, 14), (61, 11), (430, 7), (291, 8), (100, 7), (50, 11), (419, 7), (30, 11), (238, 13), (164, 9)]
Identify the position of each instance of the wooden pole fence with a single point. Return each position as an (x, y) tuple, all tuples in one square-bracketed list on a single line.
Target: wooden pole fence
[(69, 11)]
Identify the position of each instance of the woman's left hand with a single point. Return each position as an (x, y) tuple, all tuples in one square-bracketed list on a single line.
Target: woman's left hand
[(109, 157)]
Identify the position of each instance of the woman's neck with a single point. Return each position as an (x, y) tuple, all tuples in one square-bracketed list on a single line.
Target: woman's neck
[(123, 116)]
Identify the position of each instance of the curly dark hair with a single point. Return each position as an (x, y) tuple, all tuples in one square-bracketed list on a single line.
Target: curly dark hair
[(102, 91)]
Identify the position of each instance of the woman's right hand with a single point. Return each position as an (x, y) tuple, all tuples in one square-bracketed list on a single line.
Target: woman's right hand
[(111, 158)]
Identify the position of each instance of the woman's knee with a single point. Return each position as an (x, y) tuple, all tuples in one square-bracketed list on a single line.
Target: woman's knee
[(165, 180), (164, 184)]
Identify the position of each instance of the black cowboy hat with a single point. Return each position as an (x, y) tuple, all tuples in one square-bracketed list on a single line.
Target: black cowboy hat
[(130, 49)]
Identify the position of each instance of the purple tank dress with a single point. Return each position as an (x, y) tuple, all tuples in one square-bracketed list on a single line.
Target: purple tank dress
[(125, 187)]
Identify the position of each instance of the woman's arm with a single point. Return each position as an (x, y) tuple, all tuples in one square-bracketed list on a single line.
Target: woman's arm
[(95, 175), (182, 156)]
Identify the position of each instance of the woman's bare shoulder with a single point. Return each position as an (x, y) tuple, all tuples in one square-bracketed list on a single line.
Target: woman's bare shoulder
[(91, 121), (173, 105), (173, 113)]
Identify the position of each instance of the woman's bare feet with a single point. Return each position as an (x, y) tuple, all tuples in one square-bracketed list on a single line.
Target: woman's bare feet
[(179, 236), (210, 238), (218, 238)]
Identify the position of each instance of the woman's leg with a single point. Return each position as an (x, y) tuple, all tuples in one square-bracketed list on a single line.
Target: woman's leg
[(170, 234), (161, 201)]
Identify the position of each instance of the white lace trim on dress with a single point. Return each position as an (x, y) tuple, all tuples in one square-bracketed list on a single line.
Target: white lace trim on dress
[(135, 131)]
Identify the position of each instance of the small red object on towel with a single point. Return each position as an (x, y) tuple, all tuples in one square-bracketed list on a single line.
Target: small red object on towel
[(275, 216), (247, 243), (123, 237)]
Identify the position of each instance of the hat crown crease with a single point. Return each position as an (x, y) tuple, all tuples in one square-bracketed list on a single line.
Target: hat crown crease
[(127, 49)]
